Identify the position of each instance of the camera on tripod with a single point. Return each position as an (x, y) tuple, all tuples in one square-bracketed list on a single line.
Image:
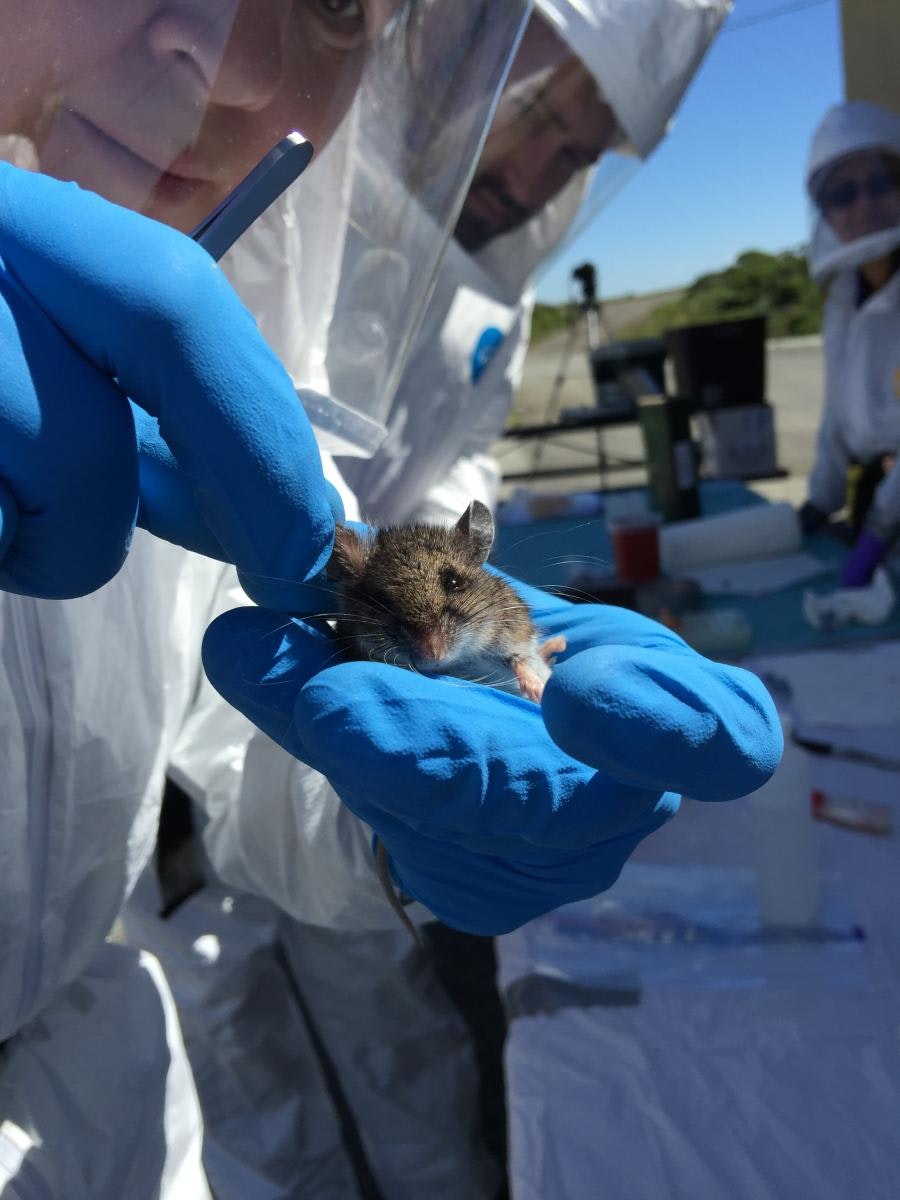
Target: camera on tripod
[(621, 370), (586, 276)]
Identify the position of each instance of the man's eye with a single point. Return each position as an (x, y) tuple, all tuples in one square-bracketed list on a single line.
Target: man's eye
[(342, 21), (343, 10)]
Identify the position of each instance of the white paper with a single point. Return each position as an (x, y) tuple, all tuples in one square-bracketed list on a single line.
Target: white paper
[(849, 699), (758, 576)]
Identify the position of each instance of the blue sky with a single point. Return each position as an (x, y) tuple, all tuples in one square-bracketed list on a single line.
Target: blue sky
[(729, 177)]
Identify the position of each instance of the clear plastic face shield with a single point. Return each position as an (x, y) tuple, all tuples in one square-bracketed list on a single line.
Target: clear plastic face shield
[(590, 92), (643, 55), (165, 107), (551, 127), (856, 210)]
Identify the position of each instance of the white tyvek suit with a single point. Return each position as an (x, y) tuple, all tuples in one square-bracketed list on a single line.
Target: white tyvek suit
[(247, 979), (276, 829), (93, 1059), (97, 1099), (246, 985), (861, 418)]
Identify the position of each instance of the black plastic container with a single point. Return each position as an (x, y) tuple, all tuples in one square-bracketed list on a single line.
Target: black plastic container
[(610, 362), (722, 364)]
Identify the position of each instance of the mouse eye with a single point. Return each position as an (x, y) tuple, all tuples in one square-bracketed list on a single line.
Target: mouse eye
[(452, 581)]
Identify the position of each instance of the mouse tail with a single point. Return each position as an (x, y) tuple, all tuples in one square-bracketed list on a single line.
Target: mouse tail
[(383, 871)]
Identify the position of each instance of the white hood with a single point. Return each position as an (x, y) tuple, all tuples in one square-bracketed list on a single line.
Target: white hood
[(642, 55), (848, 129), (676, 35)]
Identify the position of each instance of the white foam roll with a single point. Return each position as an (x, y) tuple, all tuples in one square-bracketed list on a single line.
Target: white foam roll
[(756, 532)]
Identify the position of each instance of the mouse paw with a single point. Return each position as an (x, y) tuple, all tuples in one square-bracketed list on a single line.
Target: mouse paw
[(552, 647), (531, 685)]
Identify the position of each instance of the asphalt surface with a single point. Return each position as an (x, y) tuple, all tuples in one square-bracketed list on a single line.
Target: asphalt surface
[(554, 381)]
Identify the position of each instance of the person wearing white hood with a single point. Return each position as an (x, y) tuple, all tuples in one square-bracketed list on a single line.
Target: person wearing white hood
[(853, 180), (591, 92), (399, 1051), (161, 108)]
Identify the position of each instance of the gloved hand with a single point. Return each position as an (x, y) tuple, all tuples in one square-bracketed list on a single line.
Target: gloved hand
[(867, 553), (97, 302), (486, 818), (811, 518)]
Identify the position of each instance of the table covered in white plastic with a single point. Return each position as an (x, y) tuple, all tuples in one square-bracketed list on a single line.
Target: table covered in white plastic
[(664, 1044)]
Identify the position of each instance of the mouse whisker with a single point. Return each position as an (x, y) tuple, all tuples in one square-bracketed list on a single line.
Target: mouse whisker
[(310, 584), (566, 592), (552, 533), (530, 537), (337, 656), (271, 632), (581, 560), (369, 601)]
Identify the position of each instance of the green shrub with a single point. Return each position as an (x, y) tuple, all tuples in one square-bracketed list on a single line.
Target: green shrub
[(776, 286), (550, 318)]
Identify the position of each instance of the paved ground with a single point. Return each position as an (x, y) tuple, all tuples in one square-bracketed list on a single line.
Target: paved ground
[(794, 385)]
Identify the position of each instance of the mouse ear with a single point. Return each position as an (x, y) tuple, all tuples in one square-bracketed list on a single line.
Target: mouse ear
[(477, 525), (348, 559)]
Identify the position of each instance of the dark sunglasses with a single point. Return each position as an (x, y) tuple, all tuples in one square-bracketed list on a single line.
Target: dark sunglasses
[(876, 187)]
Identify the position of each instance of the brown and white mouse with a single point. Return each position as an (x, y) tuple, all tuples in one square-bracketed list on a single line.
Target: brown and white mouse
[(419, 597)]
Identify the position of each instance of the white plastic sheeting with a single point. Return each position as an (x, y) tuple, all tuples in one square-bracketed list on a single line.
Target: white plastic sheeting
[(663, 1043), (685, 1056), (96, 1097)]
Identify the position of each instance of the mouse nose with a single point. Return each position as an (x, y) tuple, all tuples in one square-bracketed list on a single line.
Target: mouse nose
[(432, 645)]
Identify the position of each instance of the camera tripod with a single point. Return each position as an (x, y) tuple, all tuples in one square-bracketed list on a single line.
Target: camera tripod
[(590, 313)]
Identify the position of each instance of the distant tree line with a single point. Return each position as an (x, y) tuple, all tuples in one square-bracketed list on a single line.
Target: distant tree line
[(776, 286)]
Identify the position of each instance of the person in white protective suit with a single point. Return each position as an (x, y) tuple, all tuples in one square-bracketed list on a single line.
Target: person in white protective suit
[(853, 179), (164, 110), (274, 831), (618, 72)]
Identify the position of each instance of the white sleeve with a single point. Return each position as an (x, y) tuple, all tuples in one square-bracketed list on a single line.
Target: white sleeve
[(884, 519), (277, 829), (828, 479), (475, 475), (274, 827)]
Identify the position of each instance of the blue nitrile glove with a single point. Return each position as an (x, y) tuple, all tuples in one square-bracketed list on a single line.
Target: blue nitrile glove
[(631, 698), (486, 819), (91, 293), (867, 553), (168, 504)]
